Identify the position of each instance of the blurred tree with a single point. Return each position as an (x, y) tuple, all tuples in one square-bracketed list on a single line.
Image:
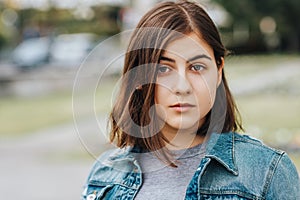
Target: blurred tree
[(2, 40), (272, 24), (101, 20), (8, 18)]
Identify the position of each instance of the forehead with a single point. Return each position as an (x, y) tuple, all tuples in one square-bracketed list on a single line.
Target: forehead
[(188, 46)]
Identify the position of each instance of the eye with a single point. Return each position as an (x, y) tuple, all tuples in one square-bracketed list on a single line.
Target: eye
[(197, 67), (163, 69)]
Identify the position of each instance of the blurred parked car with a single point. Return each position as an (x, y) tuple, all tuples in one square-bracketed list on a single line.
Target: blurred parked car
[(32, 53), (69, 50)]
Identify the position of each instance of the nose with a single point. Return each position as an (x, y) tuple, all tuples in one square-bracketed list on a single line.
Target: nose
[(182, 85)]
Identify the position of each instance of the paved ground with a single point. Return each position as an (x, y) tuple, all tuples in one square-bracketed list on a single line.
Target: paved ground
[(50, 164)]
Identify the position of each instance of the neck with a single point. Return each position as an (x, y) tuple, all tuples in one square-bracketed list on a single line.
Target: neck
[(181, 139)]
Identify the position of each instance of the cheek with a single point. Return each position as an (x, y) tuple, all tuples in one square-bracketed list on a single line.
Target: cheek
[(160, 92), (205, 90), (160, 101)]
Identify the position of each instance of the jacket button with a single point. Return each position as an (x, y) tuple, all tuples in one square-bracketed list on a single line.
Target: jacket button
[(91, 197)]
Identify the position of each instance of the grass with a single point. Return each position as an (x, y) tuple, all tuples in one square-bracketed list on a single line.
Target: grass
[(270, 112), (21, 116), (295, 158), (243, 66)]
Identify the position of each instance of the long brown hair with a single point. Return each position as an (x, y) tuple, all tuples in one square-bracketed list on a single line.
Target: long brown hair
[(133, 119)]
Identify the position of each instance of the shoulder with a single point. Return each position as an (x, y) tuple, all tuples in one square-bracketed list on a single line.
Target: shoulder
[(111, 160), (273, 166), (253, 153), (270, 167), (247, 153), (113, 154), (113, 167), (246, 142)]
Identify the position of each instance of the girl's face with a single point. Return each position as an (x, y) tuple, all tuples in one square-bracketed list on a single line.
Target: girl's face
[(186, 84)]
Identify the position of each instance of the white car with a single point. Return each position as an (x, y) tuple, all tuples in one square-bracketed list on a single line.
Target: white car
[(68, 50), (32, 52)]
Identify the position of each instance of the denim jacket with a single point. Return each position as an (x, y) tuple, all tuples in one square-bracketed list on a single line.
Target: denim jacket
[(234, 167)]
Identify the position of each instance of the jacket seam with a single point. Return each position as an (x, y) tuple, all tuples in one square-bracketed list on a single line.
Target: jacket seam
[(103, 183), (231, 192), (271, 172), (233, 155)]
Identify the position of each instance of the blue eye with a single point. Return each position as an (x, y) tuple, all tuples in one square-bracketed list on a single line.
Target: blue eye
[(163, 69), (197, 67)]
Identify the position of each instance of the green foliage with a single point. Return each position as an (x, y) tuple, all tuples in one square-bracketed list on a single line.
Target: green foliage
[(20, 116), (104, 21), (2, 41), (285, 13)]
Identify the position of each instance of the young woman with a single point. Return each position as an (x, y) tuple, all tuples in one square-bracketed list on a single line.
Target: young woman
[(175, 121)]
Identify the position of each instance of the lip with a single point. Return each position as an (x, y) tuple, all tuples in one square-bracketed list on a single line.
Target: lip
[(182, 107)]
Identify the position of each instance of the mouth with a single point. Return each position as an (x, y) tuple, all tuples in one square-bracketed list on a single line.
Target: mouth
[(182, 107)]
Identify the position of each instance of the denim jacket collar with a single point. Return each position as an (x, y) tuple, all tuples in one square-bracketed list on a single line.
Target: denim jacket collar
[(117, 174), (220, 147)]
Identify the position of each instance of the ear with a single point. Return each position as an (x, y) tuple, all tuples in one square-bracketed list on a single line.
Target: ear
[(220, 70)]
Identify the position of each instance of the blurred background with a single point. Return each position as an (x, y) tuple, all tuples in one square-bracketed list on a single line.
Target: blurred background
[(43, 43)]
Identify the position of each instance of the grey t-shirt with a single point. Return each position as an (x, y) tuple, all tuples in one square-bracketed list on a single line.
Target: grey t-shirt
[(165, 182)]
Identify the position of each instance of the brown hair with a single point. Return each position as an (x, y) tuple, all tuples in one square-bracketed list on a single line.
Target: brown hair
[(133, 122)]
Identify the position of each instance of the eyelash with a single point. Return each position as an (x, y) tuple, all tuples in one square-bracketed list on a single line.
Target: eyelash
[(165, 69), (192, 67)]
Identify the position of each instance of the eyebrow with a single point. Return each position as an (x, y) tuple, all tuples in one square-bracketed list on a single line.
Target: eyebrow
[(189, 60), (198, 56)]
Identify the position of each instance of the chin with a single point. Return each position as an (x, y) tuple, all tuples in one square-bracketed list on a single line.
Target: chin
[(185, 125)]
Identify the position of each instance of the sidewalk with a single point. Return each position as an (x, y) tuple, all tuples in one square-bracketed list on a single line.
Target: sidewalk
[(44, 165)]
